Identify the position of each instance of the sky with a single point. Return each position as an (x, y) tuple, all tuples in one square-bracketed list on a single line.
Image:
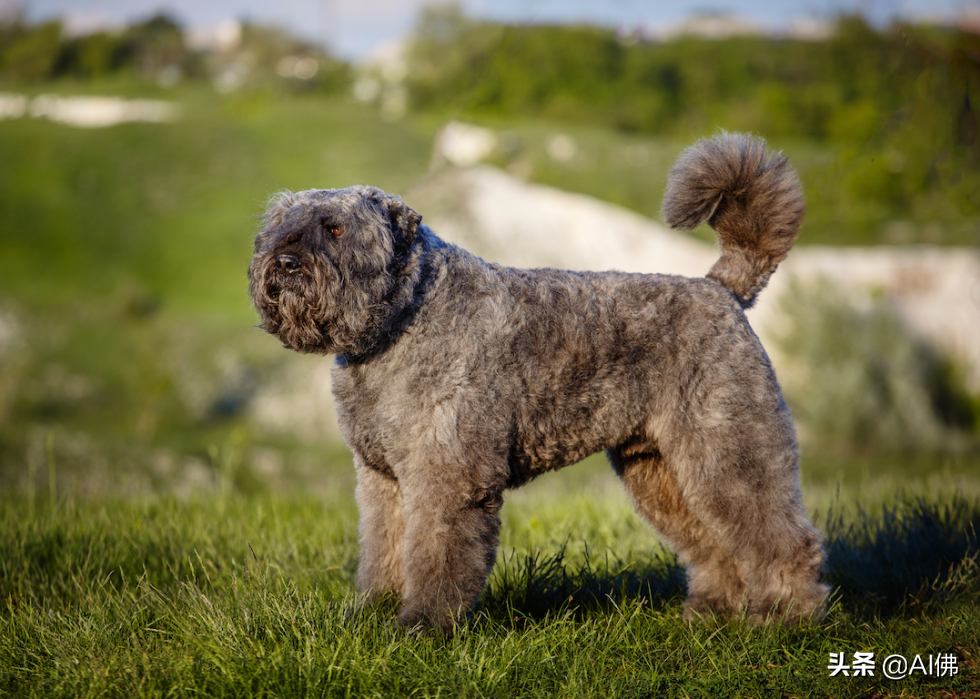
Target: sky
[(357, 29)]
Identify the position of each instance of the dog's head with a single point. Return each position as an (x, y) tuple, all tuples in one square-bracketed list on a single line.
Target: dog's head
[(328, 272)]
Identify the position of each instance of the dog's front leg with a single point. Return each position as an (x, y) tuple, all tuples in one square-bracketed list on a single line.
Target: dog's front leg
[(381, 528), (451, 527)]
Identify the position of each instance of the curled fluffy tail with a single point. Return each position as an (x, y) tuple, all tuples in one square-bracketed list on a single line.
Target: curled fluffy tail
[(752, 199)]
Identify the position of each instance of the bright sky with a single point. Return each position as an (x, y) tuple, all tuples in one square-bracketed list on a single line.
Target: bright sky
[(356, 28)]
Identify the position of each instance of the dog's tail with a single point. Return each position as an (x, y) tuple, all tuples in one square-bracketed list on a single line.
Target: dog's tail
[(752, 199)]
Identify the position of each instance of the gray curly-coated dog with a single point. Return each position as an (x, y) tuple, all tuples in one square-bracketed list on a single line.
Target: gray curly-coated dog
[(456, 379)]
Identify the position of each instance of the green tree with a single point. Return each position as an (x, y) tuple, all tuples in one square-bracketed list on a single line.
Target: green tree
[(92, 56), (31, 54), (155, 44)]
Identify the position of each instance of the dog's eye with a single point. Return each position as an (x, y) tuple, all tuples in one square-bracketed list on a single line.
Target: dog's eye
[(332, 228)]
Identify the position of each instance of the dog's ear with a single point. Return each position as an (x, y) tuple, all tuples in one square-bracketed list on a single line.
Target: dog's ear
[(404, 220)]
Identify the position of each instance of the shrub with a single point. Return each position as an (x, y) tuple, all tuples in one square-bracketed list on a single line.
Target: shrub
[(862, 381)]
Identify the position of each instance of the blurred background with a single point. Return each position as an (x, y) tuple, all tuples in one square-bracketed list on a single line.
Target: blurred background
[(139, 141)]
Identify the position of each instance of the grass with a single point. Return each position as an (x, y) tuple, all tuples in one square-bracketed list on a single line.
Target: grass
[(230, 595)]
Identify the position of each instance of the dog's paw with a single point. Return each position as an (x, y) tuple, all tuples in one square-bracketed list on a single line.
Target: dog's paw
[(420, 621)]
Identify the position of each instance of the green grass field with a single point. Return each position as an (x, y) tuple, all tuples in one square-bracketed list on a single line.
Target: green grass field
[(147, 549), (230, 595)]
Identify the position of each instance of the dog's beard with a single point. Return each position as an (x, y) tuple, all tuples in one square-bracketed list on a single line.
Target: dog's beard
[(298, 328), (291, 309)]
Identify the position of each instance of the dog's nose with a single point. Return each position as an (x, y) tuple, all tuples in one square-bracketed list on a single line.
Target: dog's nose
[(287, 264)]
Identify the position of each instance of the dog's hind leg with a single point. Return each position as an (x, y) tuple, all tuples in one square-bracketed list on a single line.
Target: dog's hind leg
[(380, 571), (714, 581), (738, 476)]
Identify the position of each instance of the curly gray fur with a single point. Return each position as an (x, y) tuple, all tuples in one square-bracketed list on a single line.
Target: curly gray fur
[(456, 379), (750, 197)]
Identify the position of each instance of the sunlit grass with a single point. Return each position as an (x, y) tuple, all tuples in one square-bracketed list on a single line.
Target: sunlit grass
[(226, 594)]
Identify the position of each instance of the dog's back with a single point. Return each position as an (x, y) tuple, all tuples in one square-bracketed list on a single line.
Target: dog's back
[(577, 362)]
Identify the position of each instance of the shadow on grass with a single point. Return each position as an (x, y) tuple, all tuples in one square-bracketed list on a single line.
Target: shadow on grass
[(535, 586), (913, 556)]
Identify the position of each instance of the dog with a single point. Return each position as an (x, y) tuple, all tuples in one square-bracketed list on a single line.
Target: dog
[(456, 379)]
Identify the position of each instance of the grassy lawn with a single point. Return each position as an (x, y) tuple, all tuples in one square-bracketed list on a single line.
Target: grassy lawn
[(231, 595)]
